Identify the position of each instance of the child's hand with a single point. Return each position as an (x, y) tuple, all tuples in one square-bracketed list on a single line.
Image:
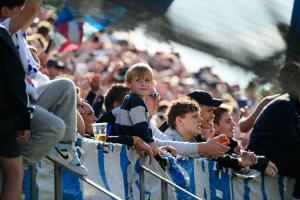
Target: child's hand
[(169, 149), (247, 159), (142, 148), (271, 169), (154, 148), (23, 137)]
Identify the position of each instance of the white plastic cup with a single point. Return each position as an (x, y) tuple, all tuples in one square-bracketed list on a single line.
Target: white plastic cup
[(99, 130)]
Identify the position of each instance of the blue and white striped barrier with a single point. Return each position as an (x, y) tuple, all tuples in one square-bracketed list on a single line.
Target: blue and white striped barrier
[(116, 168)]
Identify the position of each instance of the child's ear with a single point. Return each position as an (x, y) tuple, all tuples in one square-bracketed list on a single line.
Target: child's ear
[(178, 121), (128, 84), (4, 12)]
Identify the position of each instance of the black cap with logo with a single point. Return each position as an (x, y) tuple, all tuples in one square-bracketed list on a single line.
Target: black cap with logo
[(204, 98)]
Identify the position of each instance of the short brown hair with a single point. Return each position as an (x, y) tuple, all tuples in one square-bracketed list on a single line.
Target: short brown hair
[(219, 111), (141, 70), (116, 92), (179, 108), (289, 77)]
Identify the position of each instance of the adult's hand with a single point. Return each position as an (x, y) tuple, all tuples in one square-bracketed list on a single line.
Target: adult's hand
[(95, 82), (23, 137)]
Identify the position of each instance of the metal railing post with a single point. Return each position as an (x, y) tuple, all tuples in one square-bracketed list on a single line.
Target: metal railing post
[(164, 189), (142, 184), (164, 186), (57, 182), (32, 169)]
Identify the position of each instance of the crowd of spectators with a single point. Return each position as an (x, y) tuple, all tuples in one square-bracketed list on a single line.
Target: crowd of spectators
[(174, 109)]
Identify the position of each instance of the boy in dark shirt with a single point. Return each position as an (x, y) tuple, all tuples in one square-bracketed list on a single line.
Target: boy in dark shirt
[(133, 118)]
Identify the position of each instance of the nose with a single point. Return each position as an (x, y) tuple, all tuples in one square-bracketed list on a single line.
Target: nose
[(233, 123), (200, 120), (94, 118)]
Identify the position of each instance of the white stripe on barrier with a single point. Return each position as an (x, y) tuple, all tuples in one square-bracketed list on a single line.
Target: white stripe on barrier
[(116, 167)]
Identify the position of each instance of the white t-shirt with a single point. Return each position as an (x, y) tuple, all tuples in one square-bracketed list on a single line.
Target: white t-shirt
[(33, 78)]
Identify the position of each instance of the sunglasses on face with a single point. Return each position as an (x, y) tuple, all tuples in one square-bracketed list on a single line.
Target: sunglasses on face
[(154, 95), (80, 104)]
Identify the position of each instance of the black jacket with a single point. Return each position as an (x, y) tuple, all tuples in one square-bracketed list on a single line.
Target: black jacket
[(13, 100), (276, 133)]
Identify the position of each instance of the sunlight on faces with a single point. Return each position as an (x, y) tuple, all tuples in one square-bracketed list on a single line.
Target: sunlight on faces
[(190, 123), (140, 80), (207, 115), (88, 117), (226, 125), (140, 86)]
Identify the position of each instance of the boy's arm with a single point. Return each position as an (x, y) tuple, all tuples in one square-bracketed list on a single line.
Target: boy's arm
[(140, 123), (25, 17)]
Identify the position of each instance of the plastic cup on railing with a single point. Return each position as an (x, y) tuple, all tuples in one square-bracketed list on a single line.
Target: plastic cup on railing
[(99, 130)]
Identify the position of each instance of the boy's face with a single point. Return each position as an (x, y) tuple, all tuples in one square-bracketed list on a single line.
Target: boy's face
[(191, 123), (226, 125), (140, 85), (8, 13)]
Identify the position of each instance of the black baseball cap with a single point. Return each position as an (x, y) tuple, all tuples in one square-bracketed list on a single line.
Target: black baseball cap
[(56, 64), (204, 98)]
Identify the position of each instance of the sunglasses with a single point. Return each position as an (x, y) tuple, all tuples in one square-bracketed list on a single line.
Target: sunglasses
[(79, 104), (154, 95)]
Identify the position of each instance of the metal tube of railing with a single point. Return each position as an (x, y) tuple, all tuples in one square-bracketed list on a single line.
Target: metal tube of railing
[(142, 184), (169, 182), (57, 182), (32, 169), (164, 189), (99, 188)]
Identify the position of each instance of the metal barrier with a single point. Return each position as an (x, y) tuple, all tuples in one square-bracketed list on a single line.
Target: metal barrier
[(164, 185), (58, 182)]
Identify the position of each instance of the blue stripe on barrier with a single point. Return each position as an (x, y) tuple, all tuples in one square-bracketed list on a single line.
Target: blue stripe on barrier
[(188, 165), (26, 183), (177, 175), (71, 186), (224, 186), (246, 189), (124, 162), (147, 193), (101, 162), (137, 169), (281, 186), (203, 166), (263, 189), (70, 182), (218, 184)]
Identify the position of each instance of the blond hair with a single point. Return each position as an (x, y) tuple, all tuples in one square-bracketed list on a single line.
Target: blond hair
[(141, 70)]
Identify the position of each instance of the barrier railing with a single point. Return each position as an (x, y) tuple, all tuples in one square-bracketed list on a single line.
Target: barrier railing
[(164, 185), (58, 182)]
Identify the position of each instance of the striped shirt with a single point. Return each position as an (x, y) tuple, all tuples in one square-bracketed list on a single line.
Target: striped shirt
[(133, 119)]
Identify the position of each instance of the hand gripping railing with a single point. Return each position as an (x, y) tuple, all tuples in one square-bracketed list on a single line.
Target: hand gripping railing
[(58, 182), (164, 185)]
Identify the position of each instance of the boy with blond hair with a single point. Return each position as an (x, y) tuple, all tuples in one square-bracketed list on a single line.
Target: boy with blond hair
[(133, 118)]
